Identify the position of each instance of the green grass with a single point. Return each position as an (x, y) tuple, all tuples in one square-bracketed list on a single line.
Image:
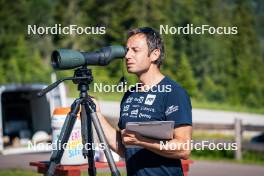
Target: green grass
[(18, 172), (249, 157), (202, 135)]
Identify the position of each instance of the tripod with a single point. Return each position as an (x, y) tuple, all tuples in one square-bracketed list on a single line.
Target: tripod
[(83, 77)]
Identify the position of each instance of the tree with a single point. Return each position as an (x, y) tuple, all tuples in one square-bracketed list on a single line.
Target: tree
[(24, 67), (184, 75), (246, 59)]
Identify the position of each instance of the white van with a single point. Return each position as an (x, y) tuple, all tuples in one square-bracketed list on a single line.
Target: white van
[(23, 114)]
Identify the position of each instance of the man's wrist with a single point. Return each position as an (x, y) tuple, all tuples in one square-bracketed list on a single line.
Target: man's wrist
[(142, 141)]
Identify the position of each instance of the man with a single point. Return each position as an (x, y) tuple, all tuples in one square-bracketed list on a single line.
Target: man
[(150, 102)]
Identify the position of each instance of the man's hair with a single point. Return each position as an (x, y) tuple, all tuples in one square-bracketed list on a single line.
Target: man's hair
[(154, 41)]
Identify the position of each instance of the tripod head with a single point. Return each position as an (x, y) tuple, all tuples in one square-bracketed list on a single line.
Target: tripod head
[(82, 76)]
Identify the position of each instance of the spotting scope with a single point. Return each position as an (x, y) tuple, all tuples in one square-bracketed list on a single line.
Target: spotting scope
[(63, 59)]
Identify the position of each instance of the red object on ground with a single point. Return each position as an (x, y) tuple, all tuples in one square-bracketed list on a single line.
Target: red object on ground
[(186, 166), (75, 170)]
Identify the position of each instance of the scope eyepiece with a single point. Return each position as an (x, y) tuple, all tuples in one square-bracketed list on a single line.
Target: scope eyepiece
[(55, 59)]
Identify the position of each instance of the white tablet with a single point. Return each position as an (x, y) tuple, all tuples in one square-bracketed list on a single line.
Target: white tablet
[(153, 129)]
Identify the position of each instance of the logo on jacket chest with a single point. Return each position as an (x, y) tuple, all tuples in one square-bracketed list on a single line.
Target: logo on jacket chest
[(139, 99), (150, 99)]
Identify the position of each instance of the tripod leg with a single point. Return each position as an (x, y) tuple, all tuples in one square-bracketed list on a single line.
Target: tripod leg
[(87, 140), (102, 139), (64, 137)]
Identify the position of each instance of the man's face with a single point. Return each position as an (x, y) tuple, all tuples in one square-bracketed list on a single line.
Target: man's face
[(137, 58)]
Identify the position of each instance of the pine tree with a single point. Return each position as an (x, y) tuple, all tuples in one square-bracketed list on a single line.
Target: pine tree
[(184, 75)]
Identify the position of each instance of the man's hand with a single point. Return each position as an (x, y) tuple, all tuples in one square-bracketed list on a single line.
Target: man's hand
[(182, 135), (131, 137)]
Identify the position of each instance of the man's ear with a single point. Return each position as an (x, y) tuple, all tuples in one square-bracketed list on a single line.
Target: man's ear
[(154, 55)]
